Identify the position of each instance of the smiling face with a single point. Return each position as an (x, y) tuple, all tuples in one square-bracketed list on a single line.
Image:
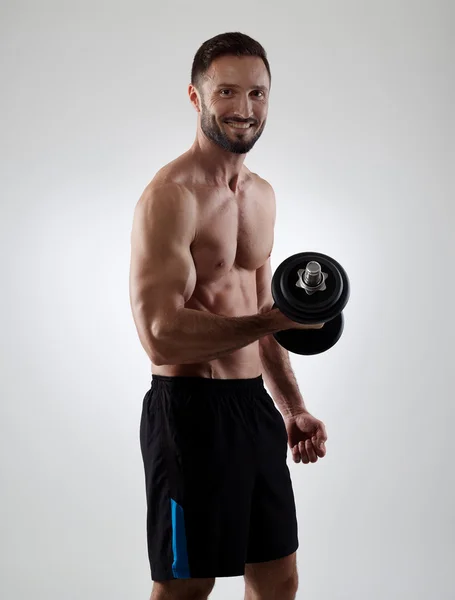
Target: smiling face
[(234, 98)]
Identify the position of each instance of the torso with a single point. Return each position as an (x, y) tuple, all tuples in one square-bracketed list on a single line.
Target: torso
[(234, 238)]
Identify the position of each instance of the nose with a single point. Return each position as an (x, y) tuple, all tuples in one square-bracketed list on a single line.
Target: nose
[(243, 107)]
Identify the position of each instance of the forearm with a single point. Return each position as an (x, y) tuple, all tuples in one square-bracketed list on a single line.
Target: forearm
[(199, 336), (279, 377)]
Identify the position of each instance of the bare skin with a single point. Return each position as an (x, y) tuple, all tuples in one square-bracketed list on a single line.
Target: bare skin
[(200, 274), (200, 277)]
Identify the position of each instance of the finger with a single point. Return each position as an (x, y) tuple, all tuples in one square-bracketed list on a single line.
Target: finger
[(310, 451), (296, 454), (303, 453), (321, 434), (311, 326), (319, 447)]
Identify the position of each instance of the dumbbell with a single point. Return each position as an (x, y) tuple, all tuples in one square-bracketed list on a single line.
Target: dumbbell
[(311, 288)]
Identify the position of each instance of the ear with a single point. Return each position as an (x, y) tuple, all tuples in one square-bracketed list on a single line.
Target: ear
[(194, 97)]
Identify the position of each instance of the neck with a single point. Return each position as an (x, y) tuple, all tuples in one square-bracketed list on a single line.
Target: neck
[(222, 168)]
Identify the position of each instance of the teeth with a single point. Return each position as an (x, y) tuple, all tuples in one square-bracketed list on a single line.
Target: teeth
[(239, 125)]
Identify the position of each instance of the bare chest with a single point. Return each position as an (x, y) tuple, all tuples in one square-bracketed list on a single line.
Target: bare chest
[(232, 232)]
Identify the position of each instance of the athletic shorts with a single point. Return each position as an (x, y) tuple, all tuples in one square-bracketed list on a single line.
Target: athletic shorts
[(218, 487)]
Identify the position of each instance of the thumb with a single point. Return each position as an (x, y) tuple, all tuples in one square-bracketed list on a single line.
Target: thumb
[(318, 441)]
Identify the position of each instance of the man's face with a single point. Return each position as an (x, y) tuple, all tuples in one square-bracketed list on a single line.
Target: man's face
[(234, 102)]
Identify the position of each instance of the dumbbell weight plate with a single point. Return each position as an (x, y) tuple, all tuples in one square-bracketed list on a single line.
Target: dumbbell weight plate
[(312, 341), (301, 307)]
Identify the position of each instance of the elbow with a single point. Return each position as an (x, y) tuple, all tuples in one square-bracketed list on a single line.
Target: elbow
[(160, 347), (157, 361), (158, 356), (155, 336)]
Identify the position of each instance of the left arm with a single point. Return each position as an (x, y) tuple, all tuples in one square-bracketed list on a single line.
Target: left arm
[(277, 370), (306, 435)]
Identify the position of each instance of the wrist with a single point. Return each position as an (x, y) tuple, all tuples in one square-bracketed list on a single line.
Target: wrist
[(280, 322), (291, 413)]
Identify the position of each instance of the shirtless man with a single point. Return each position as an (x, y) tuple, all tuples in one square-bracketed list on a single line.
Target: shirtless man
[(219, 496)]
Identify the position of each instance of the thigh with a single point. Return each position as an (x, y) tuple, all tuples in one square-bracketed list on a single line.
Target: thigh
[(273, 520), (200, 471), (218, 472), (271, 574), (184, 589)]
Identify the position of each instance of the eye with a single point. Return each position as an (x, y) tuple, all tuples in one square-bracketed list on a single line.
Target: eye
[(259, 93), (225, 90)]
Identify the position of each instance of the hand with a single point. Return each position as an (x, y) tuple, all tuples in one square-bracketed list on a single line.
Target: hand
[(286, 323), (306, 437)]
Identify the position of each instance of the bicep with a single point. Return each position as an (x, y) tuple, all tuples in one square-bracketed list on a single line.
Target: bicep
[(162, 271)]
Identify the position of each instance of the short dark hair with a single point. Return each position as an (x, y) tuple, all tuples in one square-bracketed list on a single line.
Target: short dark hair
[(225, 44)]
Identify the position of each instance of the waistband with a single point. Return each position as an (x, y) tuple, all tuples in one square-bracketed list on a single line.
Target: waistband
[(254, 384)]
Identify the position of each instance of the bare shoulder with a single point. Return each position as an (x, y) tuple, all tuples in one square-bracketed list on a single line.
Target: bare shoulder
[(166, 206), (171, 197), (159, 190), (263, 186), (264, 191), (178, 171), (169, 183)]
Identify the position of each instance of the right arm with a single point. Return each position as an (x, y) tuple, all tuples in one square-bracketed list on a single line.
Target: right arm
[(163, 279)]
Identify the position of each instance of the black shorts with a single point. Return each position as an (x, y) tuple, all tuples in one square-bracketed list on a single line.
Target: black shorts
[(218, 488)]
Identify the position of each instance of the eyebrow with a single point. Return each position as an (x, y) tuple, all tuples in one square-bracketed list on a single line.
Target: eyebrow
[(233, 85)]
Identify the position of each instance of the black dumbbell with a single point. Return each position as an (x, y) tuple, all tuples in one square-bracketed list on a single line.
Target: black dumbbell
[(311, 288)]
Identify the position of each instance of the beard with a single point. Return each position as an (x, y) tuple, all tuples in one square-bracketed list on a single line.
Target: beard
[(213, 131)]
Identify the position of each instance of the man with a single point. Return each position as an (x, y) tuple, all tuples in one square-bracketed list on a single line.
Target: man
[(219, 496)]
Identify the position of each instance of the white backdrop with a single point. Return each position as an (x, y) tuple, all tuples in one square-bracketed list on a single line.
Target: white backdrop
[(359, 147)]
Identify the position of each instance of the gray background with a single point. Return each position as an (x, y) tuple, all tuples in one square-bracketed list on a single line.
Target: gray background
[(359, 147)]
